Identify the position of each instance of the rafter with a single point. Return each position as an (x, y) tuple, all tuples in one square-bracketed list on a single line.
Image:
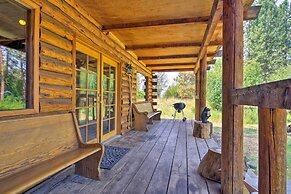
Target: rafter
[(169, 64), (172, 56), (169, 45), (216, 14), (249, 14)]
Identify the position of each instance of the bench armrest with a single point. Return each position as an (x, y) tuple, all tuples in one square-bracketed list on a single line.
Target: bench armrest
[(92, 145)]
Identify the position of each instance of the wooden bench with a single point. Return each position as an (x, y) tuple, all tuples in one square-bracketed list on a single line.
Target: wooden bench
[(33, 149), (144, 114)]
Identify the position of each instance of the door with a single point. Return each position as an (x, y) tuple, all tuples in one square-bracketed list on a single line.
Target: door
[(109, 94), (88, 92)]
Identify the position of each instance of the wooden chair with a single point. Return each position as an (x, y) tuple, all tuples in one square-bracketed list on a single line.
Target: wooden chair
[(33, 149), (144, 114)]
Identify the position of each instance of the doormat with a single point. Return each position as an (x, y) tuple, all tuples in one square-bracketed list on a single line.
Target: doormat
[(111, 156)]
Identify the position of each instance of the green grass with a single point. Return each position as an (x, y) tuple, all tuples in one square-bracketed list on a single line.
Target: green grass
[(11, 103)]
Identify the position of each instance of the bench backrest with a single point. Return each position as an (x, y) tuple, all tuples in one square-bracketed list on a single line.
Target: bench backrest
[(28, 141), (144, 107)]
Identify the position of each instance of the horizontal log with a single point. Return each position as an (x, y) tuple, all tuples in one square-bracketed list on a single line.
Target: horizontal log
[(52, 91), (46, 77), (56, 53), (50, 64), (169, 45), (249, 14), (50, 105), (55, 40), (56, 27), (64, 13), (270, 95), (173, 56)]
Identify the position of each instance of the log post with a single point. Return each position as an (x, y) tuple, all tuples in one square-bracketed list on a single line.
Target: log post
[(232, 115), (197, 96), (272, 150), (203, 78)]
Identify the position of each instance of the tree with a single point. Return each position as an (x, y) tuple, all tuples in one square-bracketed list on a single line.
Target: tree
[(162, 83), (186, 84), (214, 86)]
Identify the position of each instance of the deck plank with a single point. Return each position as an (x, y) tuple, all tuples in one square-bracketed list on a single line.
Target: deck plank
[(163, 160), (140, 181), (178, 178), (160, 179), (120, 181), (196, 183)]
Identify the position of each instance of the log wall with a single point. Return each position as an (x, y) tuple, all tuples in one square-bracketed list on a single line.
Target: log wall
[(61, 23)]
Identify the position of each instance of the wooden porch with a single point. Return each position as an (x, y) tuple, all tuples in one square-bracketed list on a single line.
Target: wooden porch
[(163, 160)]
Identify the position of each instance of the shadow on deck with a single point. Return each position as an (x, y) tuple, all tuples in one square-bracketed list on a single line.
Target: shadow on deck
[(163, 160)]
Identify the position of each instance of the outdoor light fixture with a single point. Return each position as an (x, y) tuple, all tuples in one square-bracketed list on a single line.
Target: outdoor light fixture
[(22, 22), (128, 68)]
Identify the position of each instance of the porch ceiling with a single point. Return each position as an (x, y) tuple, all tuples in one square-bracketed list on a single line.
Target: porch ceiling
[(164, 32)]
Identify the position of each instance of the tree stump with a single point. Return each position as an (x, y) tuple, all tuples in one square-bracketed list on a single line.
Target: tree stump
[(202, 130), (210, 165)]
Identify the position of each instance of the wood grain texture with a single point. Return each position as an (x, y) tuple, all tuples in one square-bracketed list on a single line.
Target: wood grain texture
[(232, 115), (272, 150), (269, 95)]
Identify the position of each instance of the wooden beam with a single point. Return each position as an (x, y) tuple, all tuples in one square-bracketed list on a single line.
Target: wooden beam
[(172, 56), (172, 70), (197, 96), (270, 95), (169, 64), (252, 13), (232, 164), (215, 17), (249, 14), (169, 45), (272, 150), (171, 67)]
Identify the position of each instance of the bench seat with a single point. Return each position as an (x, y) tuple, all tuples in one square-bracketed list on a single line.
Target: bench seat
[(144, 113), (33, 149)]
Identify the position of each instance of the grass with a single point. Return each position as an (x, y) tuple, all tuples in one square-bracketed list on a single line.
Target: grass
[(12, 103), (250, 124)]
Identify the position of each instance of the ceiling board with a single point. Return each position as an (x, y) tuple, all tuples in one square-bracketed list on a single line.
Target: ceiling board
[(167, 51)]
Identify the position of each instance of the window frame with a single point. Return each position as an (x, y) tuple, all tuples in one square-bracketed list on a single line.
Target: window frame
[(32, 55)]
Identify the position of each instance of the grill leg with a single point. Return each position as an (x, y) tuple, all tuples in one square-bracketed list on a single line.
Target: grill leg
[(175, 114)]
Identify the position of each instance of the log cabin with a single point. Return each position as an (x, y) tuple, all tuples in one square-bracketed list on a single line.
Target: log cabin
[(83, 57)]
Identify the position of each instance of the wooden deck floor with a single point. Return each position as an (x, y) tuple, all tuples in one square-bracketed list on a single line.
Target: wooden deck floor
[(162, 160)]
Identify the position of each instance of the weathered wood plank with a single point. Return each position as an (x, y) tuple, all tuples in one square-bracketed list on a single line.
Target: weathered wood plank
[(196, 183), (232, 115), (46, 77), (144, 174), (54, 52), (53, 91), (178, 178), (272, 150), (269, 95), (55, 40), (53, 65)]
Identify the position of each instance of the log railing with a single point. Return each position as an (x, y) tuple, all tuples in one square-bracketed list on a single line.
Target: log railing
[(272, 99)]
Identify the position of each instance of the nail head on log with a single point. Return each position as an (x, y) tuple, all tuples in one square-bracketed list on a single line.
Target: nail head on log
[(202, 130)]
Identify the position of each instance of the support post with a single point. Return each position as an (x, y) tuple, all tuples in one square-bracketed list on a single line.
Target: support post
[(272, 150), (232, 115), (197, 96), (203, 80)]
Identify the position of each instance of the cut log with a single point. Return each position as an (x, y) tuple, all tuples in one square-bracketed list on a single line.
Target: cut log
[(210, 165), (202, 130)]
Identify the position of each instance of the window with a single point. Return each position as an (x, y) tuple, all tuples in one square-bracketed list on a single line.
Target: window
[(140, 87), (86, 95), (17, 72)]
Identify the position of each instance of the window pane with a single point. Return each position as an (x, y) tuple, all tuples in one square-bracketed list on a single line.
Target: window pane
[(81, 61), (112, 124), (81, 98), (105, 84), (82, 115), (14, 19), (112, 73), (92, 133), (106, 70), (112, 111), (81, 79), (112, 85), (92, 115), (105, 127), (112, 98), (92, 98), (105, 98), (83, 133), (92, 81), (92, 65)]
